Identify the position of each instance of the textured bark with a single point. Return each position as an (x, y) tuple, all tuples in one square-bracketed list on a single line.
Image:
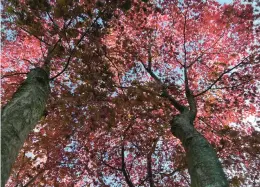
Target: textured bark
[(20, 116), (203, 165)]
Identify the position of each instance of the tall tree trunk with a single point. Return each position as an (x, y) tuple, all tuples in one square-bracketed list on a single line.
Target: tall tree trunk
[(203, 165), (20, 116)]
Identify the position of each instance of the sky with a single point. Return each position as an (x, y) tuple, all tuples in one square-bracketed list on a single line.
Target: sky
[(224, 1)]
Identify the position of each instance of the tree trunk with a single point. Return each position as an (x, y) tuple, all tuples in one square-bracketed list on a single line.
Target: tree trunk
[(20, 116), (203, 165)]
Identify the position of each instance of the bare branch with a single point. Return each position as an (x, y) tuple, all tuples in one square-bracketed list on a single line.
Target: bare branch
[(149, 164), (12, 74), (124, 170), (175, 55), (34, 178), (35, 36), (33, 64), (142, 181), (188, 92), (74, 50), (54, 23), (204, 52), (165, 93), (233, 86), (150, 58), (112, 167), (221, 75), (185, 178)]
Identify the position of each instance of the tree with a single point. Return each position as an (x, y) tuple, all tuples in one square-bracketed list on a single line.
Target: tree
[(156, 61), (67, 24), (193, 38)]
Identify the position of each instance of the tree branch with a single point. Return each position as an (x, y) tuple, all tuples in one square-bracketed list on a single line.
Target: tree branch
[(173, 172), (35, 36), (233, 86), (220, 76), (34, 178), (142, 182), (54, 23), (165, 93), (33, 64), (74, 50), (112, 167), (124, 170), (185, 178), (150, 58), (149, 164), (204, 52), (188, 92), (12, 74)]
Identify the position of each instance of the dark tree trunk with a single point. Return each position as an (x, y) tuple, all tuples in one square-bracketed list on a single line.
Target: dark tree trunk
[(203, 165), (20, 116)]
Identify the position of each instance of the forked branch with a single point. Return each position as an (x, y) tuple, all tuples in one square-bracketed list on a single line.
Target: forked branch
[(165, 93)]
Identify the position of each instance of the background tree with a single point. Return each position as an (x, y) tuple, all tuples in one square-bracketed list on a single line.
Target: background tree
[(117, 132), (66, 24)]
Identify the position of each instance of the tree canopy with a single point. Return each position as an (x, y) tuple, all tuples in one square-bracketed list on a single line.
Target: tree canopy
[(123, 75)]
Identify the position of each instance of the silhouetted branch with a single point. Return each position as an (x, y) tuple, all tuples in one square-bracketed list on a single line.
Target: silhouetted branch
[(188, 92), (124, 170), (204, 52), (165, 93), (220, 76), (112, 167), (12, 74), (185, 178), (35, 36), (34, 178), (74, 50), (149, 164)]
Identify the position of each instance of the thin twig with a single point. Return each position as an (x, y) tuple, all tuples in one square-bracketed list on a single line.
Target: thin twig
[(35, 36), (73, 51), (124, 170), (13, 74), (34, 178), (220, 77)]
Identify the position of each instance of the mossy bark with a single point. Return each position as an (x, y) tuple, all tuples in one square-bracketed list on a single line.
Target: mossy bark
[(203, 165), (20, 115)]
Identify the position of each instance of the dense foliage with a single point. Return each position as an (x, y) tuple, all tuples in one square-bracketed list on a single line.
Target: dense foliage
[(120, 71)]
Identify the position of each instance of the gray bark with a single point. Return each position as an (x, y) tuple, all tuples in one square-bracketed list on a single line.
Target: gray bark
[(203, 165), (20, 116)]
